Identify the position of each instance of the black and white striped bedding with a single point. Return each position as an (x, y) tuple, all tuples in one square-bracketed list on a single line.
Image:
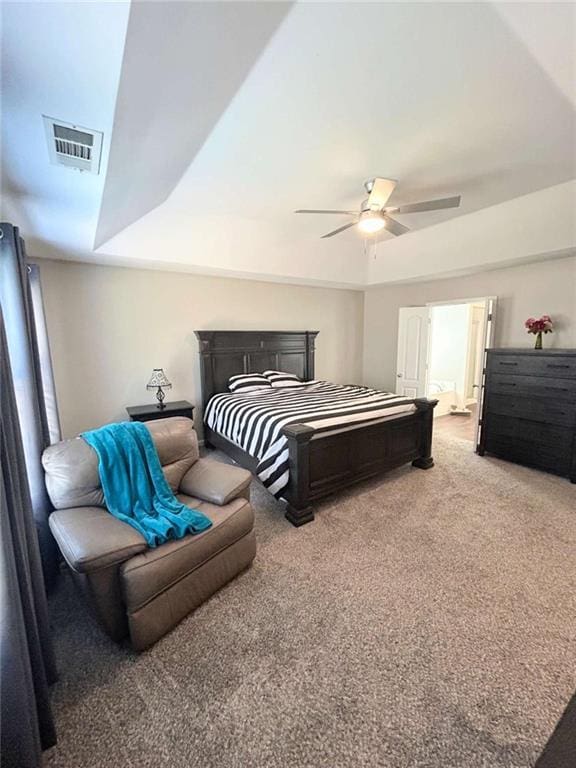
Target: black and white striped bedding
[(278, 379), (254, 420), (248, 382)]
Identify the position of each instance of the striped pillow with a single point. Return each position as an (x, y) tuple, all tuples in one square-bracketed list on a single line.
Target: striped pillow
[(248, 382), (280, 379)]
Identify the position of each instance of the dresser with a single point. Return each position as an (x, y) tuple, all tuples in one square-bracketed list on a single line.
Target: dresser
[(529, 408)]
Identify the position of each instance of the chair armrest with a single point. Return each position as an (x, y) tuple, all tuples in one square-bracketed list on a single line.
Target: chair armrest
[(90, 538), (216, 482)]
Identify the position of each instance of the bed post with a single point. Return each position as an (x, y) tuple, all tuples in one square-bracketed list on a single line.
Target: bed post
[(425, 409), (309, 361), (299, 510)]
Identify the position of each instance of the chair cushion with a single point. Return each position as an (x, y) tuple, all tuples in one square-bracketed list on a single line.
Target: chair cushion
[(177, 444), (90, 538), (71, 466), (216, 482), (152, 572), (71, 474)]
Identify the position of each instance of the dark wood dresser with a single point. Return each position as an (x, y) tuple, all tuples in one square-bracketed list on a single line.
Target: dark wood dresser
[(529, 408)]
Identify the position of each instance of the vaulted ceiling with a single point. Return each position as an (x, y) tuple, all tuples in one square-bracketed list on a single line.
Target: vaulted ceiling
[(220, 119)]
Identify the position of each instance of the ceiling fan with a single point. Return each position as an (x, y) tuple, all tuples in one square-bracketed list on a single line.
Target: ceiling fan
[(374, 214)]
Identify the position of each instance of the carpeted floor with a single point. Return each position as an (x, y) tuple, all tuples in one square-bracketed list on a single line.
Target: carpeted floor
[(426, 619)]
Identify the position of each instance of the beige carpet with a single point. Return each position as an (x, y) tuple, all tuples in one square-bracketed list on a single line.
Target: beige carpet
[(426, 619)]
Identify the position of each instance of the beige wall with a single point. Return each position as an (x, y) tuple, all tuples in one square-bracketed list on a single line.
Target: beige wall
[(529, 290), (110, 326)]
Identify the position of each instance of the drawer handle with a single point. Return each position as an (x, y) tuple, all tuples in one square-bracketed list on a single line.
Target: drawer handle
[(556, 365), (507, 384), (501, 362)]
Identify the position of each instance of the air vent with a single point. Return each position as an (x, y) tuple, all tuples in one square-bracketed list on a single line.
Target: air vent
[(73, 146)]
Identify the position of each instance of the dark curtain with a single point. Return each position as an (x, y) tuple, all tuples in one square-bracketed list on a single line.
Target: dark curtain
[(26, 663), (16, 299)]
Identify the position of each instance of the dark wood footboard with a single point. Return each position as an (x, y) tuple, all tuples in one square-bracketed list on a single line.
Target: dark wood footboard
[(323, 463), (320, 462)]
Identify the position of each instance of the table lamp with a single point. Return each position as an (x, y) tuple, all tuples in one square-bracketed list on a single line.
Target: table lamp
[(157, 381)]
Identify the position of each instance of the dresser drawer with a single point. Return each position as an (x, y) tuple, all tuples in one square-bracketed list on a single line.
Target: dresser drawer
[(531, 453), (559, 439), (534, 365), (548, 411), (534, 386)]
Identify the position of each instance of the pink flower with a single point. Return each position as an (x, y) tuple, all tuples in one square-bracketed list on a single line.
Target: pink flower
[(543, 325)]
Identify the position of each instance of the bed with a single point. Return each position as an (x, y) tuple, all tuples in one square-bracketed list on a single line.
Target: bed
[(318, 453)]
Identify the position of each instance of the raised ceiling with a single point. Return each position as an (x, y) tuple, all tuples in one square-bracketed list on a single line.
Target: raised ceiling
[(220, 119)]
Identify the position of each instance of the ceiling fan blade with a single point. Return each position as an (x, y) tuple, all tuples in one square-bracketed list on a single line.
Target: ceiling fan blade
[(340, 229), (429, 205), (394, 226), (305, 210), (380, 192)]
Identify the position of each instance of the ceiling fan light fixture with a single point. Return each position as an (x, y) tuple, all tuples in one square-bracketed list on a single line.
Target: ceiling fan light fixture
[(371, 222), (374, 215)]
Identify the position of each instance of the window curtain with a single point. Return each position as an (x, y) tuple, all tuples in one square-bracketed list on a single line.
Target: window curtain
[(26, 659), (32, 378), (46, 372)]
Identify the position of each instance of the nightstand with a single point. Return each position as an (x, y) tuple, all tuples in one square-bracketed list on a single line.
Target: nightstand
[(151, 412)]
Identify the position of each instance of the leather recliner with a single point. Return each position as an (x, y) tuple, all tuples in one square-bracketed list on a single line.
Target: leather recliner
[(135, 590)]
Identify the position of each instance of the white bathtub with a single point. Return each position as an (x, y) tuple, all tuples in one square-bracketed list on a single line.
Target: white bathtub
[(445, 393)]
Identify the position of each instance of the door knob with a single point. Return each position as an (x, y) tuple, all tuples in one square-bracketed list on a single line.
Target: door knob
[(399, 375)]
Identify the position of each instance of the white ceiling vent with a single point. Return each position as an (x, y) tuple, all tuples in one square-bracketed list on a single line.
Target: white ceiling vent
[(73, 146)]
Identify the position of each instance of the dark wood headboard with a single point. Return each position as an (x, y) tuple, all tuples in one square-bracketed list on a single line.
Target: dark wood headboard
[(226, 353)]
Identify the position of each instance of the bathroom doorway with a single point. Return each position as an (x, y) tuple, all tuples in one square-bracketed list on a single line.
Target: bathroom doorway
[(441, 351)]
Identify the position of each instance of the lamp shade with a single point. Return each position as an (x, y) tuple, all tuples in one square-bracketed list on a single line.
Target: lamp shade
[(158, 379)]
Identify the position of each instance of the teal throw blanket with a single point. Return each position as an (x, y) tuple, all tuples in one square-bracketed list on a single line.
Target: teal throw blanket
[(134, 485)]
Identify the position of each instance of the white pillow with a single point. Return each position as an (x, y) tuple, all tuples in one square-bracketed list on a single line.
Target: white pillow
[(248, 382), (280, 379)]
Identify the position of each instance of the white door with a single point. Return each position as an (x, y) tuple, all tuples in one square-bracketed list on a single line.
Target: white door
[(413, 332)]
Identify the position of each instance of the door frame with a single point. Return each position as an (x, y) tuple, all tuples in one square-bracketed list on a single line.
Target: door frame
[(491, 305), (475, 356)]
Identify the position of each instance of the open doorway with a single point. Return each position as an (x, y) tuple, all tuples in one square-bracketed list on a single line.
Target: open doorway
[(441, 349), (455, 356)]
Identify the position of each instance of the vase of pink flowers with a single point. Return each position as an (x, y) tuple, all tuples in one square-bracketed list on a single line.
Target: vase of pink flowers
[(538, 327)]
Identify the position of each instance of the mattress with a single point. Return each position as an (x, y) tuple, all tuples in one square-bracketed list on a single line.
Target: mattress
[(254, 420)]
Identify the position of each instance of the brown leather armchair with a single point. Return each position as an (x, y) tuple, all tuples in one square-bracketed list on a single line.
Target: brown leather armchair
[(135, 590)]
